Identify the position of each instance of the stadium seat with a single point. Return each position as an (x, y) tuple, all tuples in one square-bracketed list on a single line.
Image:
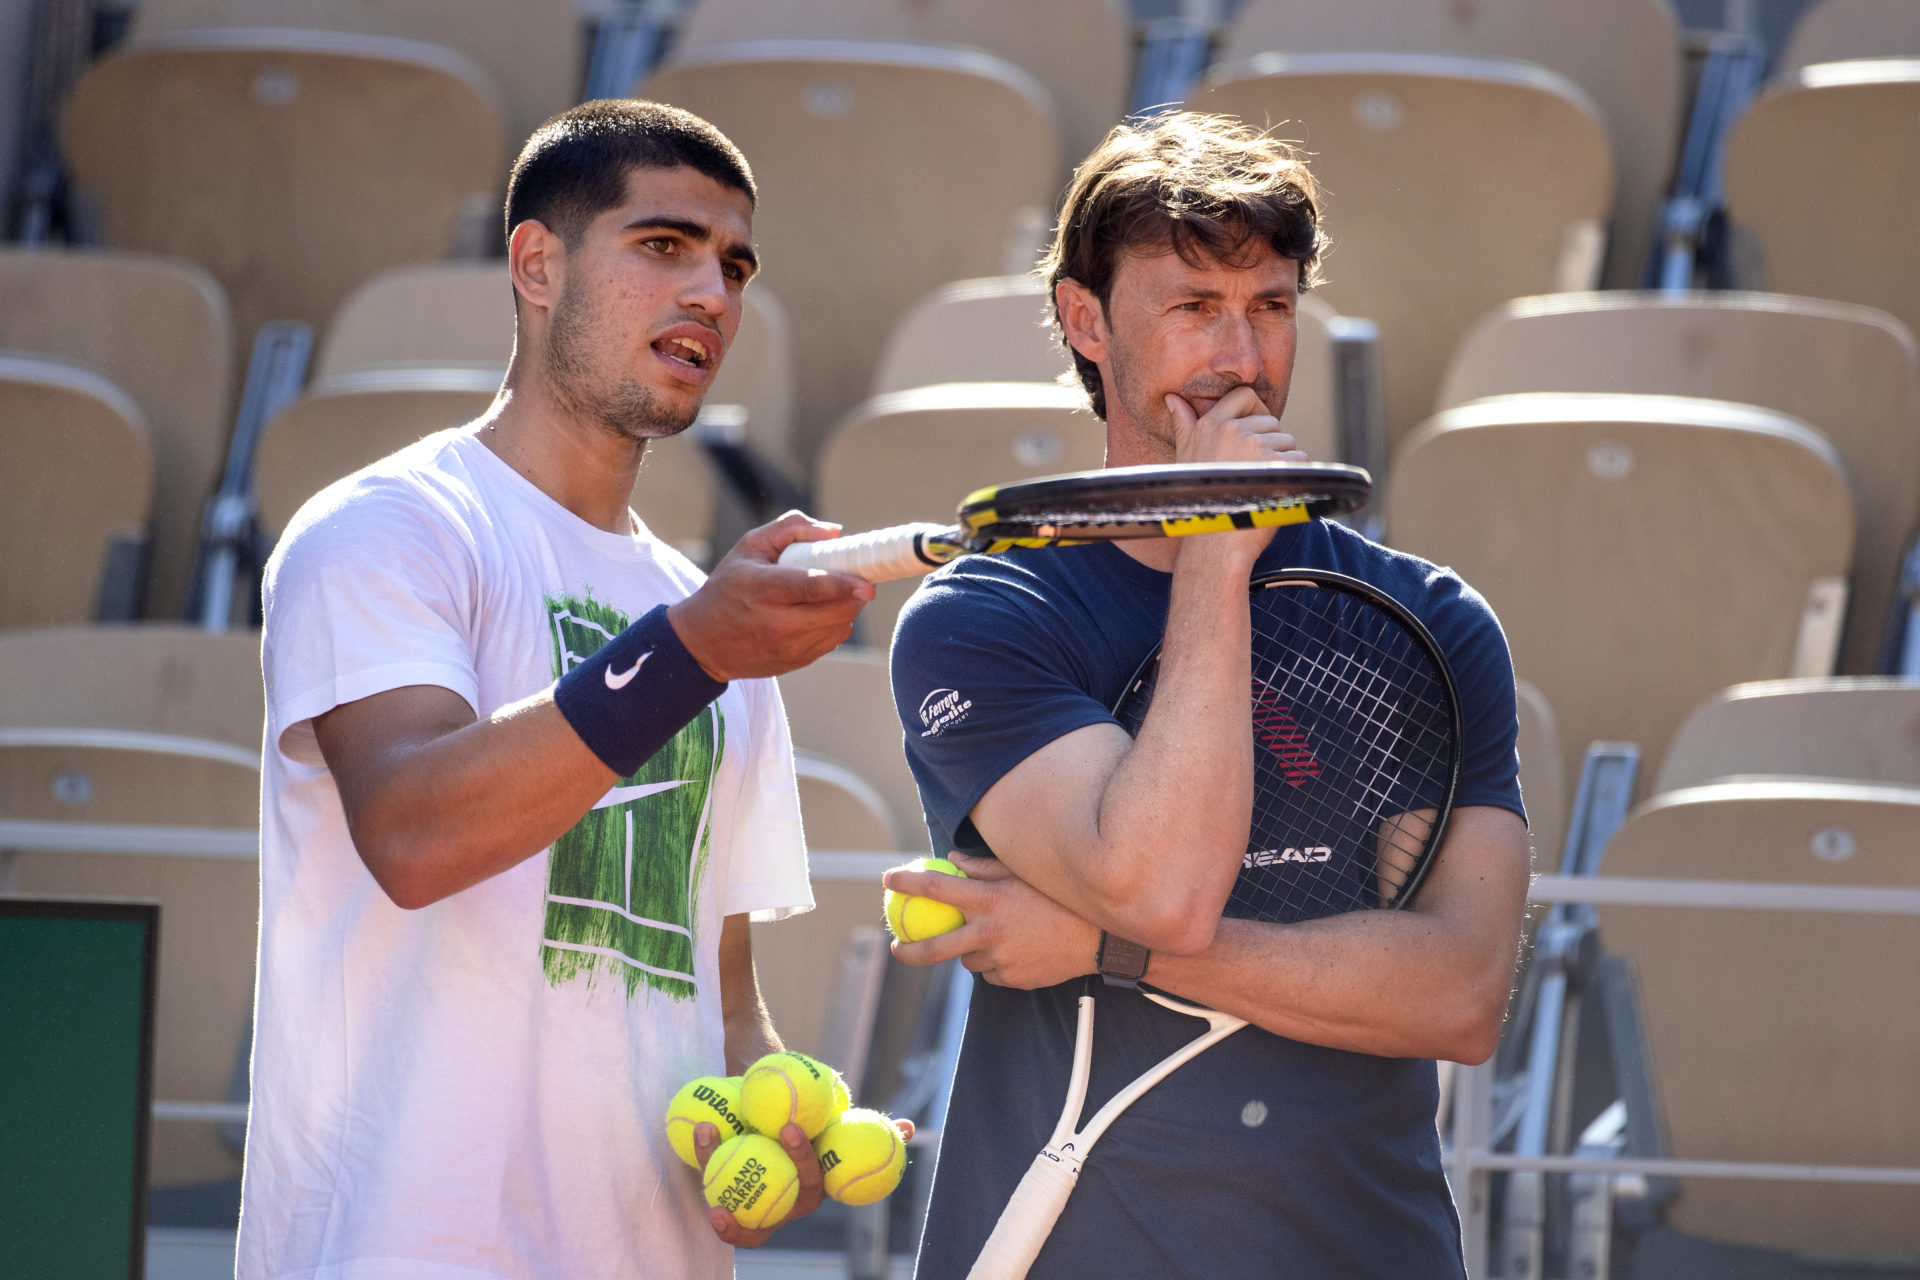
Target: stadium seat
[(1081, 51), (532, 49), (1542, 789), (914, 455), (1418, 247), (840, 708), (1779, 1036), (884, 170), (1834, 30), (1854, 243), (290, 164), (1856, 728), (158, 329), (1626, 55), (1642, 552), (77, 493), (129, 768), (1000, 329), (1848, 371), (441, 315)]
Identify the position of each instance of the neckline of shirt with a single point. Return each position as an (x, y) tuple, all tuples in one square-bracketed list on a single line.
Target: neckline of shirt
[(640, 541)]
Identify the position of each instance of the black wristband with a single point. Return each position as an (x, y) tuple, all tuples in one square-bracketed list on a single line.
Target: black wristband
[(635, 692)]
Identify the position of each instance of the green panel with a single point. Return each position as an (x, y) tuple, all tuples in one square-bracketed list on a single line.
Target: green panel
[(72, 994)]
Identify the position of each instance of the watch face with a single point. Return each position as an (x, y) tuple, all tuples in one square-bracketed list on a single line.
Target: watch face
[(1121, 959)]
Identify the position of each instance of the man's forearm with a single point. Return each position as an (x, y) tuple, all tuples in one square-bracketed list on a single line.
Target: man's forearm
[(1429, 981)]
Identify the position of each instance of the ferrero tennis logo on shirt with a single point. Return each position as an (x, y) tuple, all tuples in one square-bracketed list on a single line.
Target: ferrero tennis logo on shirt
[(941, 710)]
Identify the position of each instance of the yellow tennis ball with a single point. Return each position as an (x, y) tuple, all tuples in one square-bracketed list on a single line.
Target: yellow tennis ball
[(915, 919), (752, 1178), (861, 1156), (842, 1096), (715, 1099), (789, 1086)]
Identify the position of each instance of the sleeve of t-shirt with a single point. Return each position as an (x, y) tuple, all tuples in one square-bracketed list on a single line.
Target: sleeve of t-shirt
[(1476, 651), (982, 678), (369, 590), (767, 873)]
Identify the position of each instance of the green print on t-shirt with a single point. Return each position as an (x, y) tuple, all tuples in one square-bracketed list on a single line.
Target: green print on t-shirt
[(621, 884)]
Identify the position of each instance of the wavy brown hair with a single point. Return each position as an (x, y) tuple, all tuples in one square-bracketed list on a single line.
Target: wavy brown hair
[(1206, 187)]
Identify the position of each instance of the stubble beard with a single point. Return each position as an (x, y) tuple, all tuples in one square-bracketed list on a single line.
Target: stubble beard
[(621, 406), (1149, 411)]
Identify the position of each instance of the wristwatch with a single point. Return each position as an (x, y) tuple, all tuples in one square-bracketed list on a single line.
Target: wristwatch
[(1122, 963)]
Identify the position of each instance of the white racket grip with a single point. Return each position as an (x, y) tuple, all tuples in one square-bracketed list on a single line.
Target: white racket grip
[(879, 556), (1027, 1220)]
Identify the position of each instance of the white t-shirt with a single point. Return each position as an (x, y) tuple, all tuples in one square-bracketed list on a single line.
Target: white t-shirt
[(475, 1089)]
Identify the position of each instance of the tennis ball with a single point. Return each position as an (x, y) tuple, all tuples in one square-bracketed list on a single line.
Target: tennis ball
[(715, 1099), (842, 1096), (752, 1178), (789, 1086), (862, 1156), (915, 919)]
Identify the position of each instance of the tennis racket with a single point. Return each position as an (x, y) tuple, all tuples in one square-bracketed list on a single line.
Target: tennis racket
[(1098, 506), (1357, 737)]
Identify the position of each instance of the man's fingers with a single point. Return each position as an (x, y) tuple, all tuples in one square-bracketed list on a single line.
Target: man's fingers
[(1241, 402), (706, 1136), (1184, 417), (938, 949), (816, 586), (769, 540), (955, 891), (906, 1129)]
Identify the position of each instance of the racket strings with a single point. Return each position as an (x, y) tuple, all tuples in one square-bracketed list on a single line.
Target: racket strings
[(1346, 796)]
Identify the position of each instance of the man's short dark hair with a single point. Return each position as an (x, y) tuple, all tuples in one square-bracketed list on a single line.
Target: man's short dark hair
[(1202, 186), (575, 166)]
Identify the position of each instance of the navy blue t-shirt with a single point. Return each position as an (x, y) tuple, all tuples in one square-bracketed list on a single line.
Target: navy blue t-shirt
[(1263, 1156)]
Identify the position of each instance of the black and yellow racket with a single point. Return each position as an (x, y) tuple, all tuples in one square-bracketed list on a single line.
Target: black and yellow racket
[(1098, 506)]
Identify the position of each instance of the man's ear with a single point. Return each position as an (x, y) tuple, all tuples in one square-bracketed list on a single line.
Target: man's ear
[(1082, 319), (536, 259)]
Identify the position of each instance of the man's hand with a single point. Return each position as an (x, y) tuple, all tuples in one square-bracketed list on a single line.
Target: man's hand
[(1235, 428), (706, 1138), (755, 617), (1015, 936)]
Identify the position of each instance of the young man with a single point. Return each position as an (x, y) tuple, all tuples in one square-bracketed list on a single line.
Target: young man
[(1305, 1145), (522, 788)]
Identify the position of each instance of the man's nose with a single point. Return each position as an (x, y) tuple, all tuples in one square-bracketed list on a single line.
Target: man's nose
[(1236, 352)]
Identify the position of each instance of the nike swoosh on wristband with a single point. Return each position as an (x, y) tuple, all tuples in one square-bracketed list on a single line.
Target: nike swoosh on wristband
[(620, 681)]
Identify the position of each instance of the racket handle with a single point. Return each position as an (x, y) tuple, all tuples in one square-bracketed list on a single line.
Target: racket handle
[(879, 556), (1027, 1220)]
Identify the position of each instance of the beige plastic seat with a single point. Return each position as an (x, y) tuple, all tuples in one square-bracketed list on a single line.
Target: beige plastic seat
[(532, 49), (75, 492), (1000, 329), (884, 170), (914, 455), (1780, 1036), (1642, 552), (1854, 243), (1080, 50), (1858, 728), (129, 768), (1626, 55), (840, 708), (1542, 787), (350, 420), (290, 164), (1451, 185), (158, 328), (1833, 30), (1849, 371)]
